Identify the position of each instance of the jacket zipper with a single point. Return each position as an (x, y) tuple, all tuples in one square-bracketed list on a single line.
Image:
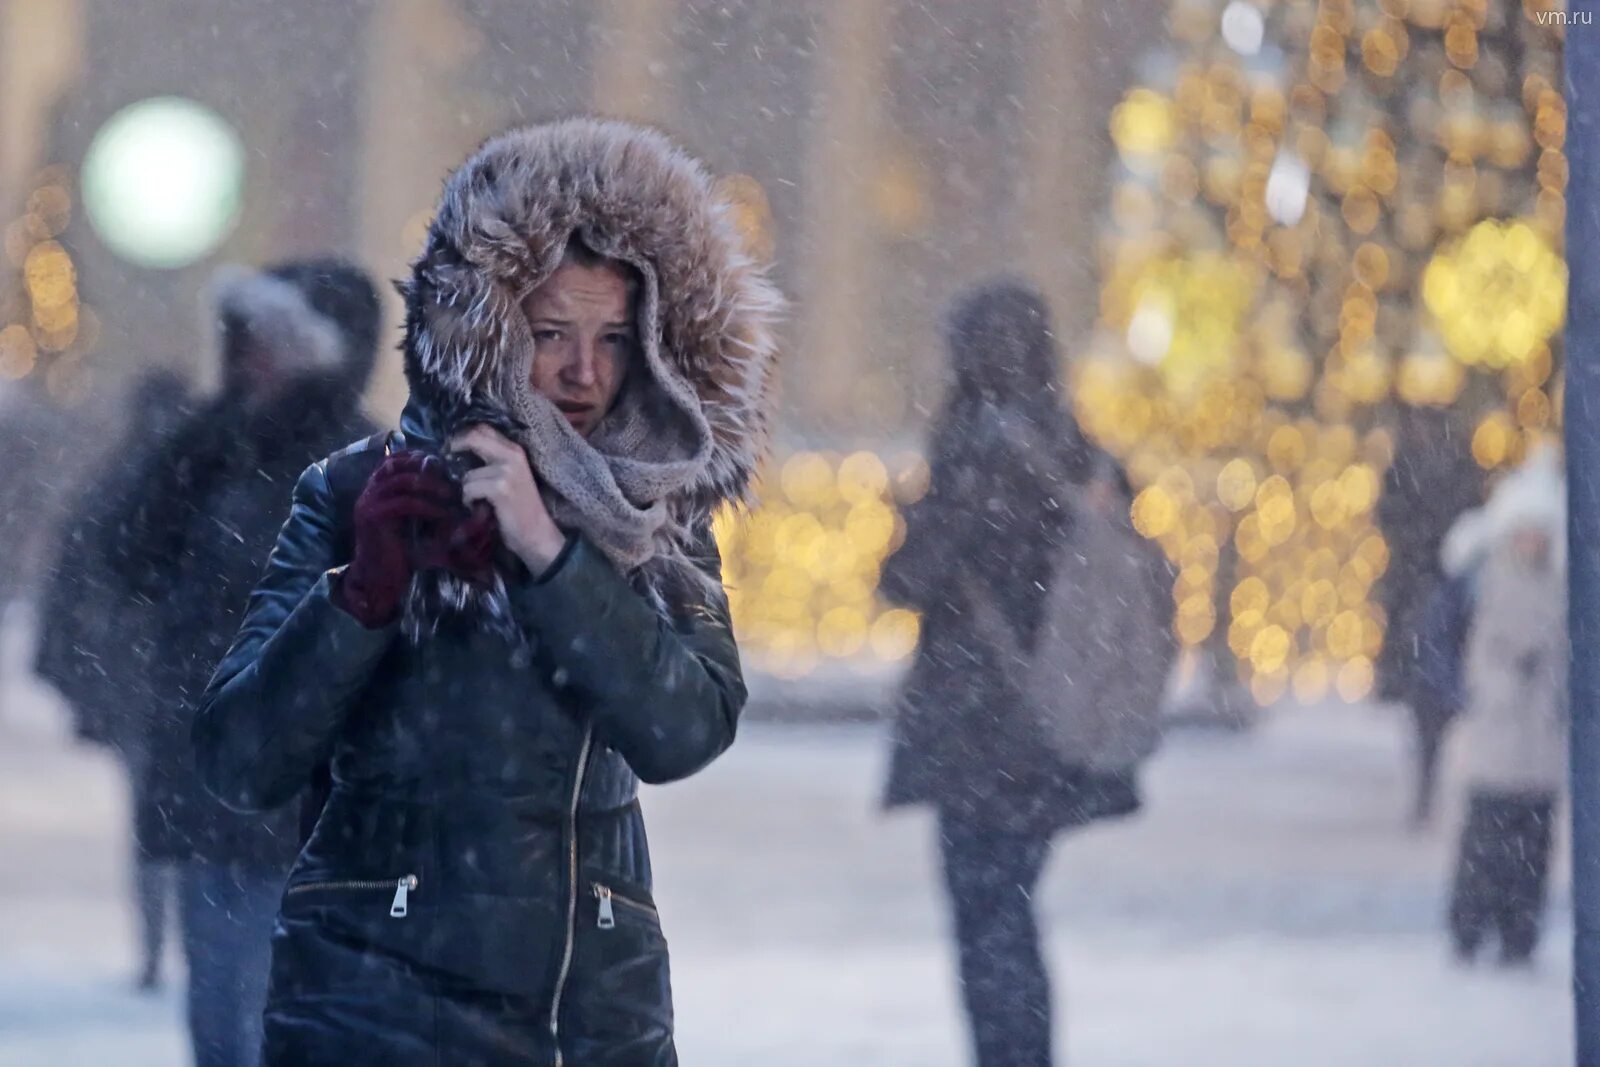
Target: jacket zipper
[(607, 915), (572, 895), (398, 908)]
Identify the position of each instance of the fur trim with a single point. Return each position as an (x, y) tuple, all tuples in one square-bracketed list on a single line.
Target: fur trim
[(1535, 494), (278, 313)]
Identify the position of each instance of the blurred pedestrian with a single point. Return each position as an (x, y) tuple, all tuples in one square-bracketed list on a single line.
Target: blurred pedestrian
[(502, 617), (1431, 481), (1438, 692), (1034, 689), (96, 645), (38, 467), (1516, 720), (298, 345)]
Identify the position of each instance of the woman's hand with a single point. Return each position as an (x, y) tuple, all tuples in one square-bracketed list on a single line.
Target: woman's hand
[(507, 483)]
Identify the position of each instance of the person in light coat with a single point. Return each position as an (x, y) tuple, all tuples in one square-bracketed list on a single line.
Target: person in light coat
[(1516, 716)]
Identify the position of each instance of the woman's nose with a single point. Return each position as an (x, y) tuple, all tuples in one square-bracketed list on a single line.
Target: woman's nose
[(580, 369)]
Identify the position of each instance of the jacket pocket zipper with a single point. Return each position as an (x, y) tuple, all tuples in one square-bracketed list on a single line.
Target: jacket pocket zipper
[(608, 915), (398, 908)]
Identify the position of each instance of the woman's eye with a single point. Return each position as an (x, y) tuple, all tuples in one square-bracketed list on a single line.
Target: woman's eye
[(618, 340), (546, 335)]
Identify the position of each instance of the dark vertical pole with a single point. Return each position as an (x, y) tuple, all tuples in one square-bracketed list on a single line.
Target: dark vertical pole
[(1583, 477)]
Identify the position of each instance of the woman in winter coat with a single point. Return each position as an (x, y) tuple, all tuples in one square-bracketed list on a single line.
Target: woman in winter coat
[(1516, 715), (980, 555), (498, 620), (298, 344)]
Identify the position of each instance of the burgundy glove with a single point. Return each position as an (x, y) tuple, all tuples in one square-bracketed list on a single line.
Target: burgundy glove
[(465, 546), (408, 495)]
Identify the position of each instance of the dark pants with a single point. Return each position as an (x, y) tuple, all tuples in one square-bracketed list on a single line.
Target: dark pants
[(227, 936), (1501, 873), (1431, 725), (153, 890), (990, 876)]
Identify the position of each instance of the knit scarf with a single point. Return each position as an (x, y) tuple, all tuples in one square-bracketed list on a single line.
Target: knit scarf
[(613, 487)]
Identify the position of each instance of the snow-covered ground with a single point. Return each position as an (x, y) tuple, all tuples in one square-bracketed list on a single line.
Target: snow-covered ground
[(1268, 908)]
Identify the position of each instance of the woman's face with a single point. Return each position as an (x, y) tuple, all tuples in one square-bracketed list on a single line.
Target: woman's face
[(582, 320), (1532, 546)]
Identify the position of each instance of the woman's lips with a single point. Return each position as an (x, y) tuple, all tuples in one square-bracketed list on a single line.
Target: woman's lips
[(576, 413)]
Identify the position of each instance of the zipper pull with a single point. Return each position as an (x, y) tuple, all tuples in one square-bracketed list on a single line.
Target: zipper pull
[(402, 889), (608, 917)]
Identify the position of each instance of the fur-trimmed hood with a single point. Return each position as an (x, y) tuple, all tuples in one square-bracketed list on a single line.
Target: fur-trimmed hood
[(1535, 494), (689, 427), (318, 317), (707, 311)]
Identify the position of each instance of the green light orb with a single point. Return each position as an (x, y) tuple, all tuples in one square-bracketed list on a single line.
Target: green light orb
[(162, 182)]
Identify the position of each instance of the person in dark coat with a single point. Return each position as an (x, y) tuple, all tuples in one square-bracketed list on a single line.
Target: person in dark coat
[(299, 343), (499, 619), (1007, 460), (1431, 481), (96, 646)]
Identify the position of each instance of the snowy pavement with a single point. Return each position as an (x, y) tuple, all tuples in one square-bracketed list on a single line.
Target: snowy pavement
[(1267, 909)]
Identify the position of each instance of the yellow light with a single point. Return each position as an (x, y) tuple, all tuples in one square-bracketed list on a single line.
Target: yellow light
[(1286, 448), (1311, 680), (911, 478), (1344, 635), (1461, 44), (1360, 488), (800, 539), (870, 525), (1242, 633), (1154, 512), (1268, 689), (1270, 649), (863, 478), (807, 479), (1372, 265), (1319, 602), (1497, 293), (1491, 441), (1533, 409), (49, 275), (1236, 485), (1249, 540), (17, 352), (1286, 372), (1355, 679), (1380, 52), (1432, 379), (841, 632), (894, 634), (1197, 617), (747, 204), (1144, 124), (52, 206), (1249, 596)]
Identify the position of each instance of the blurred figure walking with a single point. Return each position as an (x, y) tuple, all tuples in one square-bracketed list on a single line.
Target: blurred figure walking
[(298, 345), (1015, 567), (39, 466), (1516, 710), (96, 646), (1432, 481)]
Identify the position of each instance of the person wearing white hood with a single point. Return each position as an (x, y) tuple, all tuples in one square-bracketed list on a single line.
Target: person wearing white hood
[(1515, 727)]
